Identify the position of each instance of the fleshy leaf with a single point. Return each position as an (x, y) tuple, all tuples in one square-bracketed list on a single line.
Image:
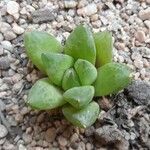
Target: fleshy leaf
[(79, 96), (104, 47), (86, 71), (56, 65), (111, 78), (84, 117), (70, 79), (36, 43), (80, 44), (44, 95)]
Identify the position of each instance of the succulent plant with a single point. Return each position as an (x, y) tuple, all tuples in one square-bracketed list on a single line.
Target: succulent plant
[(77, 72)]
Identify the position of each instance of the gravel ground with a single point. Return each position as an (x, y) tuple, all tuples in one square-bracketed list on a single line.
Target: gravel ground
[(124, 122)]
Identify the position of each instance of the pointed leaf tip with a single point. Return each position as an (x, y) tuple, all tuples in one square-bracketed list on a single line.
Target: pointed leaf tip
[(36, 43), (80, 44), (86, 71), (79, 97), (104, 47), (55, 65), (70, 79), (44, 95), (84, 117), (112, 77)]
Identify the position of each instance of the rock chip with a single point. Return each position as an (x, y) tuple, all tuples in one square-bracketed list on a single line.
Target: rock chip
[(70, 3), (21, 147), (4, 27), (12, 7), (4, 63), (3, 131), (1, 37), (2, 105), (17, 29), (9, 35), (148, 1), (88, 10), (140, 36), (139, 91), (145, 14), (50, 135), (43, 15), (147, 23), (7, 45), (108, 135), (62, 141)]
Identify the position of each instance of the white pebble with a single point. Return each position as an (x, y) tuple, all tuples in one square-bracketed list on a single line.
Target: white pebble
[(147, 23), (70, 4), (145, 14), (4, 27), (3, 131), (1, 37), (9, 35), (7, 45), (12, 7), (88, 10), (17, 29)]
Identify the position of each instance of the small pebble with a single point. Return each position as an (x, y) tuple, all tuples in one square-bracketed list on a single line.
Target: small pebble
[(147, 23), (145, 14), (2, 105), (12, 7), (21, 147), (70, 3), (4, 27), (140, 36), (88, 10), (50, 135), (4, 63), (3, 131), (1, 37), (62, 141), (7, 45), (9, 35), (74, 138), (17, 29)]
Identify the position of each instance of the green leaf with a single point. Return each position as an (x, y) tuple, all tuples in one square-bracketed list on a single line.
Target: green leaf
[(56, 65), (79, 96), (43, 95), (104, 47), (80, 44), (86, 71), (36, 43), (111, 78), (84, 117), (70, 79)]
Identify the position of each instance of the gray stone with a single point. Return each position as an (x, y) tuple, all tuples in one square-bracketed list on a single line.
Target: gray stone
[(3, 131), (2, 105), (43, 15), (4, 63), (1, 37), (139, 91), (7, 45), (108, 135)]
